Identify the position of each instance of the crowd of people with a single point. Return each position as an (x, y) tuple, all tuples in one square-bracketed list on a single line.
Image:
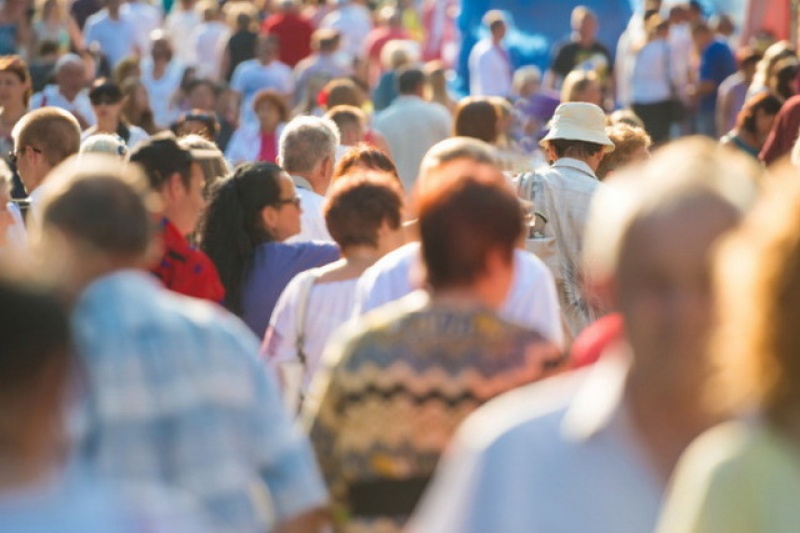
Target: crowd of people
[(262, 270)]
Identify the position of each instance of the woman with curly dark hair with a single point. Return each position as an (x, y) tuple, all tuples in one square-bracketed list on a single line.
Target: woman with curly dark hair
[(249, 216)]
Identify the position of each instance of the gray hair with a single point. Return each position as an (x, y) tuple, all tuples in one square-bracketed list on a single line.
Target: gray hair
[(682, 173), (305, 142)]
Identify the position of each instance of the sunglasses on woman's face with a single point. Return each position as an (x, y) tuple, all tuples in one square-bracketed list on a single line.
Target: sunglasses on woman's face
[(104, 100)]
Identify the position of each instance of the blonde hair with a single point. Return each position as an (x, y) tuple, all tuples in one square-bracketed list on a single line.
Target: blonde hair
[(627, 141), (757, 277), (575, 83)]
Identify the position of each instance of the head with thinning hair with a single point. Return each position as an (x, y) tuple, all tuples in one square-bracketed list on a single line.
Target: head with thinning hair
[(647, 252), (477, 117), (306, 142)]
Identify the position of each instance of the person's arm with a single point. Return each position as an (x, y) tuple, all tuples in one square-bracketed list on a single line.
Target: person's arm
[(75, 36), (724, 104)]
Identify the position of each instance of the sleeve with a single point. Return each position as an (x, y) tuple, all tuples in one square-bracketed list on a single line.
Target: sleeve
[(703, 493), (280, 341), (287, 463)]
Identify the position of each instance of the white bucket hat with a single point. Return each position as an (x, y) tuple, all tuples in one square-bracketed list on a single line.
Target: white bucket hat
[(579, 121)]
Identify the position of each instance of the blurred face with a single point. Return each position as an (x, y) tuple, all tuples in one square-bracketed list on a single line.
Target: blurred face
[(764, 122), (107, 109), (283, 218), (591, 93), (202, 97), (12, 90), (141, 98), (587, 28), (71, 78), (186, 205), (161, 50), (268, 116), (664, 290)]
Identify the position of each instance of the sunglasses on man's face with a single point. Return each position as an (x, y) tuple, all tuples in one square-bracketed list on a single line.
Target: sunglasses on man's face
[(14, 155), (104, 100)]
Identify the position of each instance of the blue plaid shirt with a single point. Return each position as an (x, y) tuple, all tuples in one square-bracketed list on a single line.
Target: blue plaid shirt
[(176, 396)]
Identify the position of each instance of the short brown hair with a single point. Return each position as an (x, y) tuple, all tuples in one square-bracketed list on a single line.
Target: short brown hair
[(346, 115), (627, 141), (476, 117), (358, 204), (17, 66), (274, 98), (461, 219), (342, 91), (364, 155), (53, 131)]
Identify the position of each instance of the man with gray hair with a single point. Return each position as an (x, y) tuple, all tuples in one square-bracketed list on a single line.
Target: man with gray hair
[(307, 151), (69, 91), (608, 437), (174, 393)]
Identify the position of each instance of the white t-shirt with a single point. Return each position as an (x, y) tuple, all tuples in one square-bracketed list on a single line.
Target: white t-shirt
[(51, 96), (116, 38), (312, 223), (208, 45), (251, 76), (161, 91), (329, 306), (179, 27), (532, 300), (146, 18), (490, 70)]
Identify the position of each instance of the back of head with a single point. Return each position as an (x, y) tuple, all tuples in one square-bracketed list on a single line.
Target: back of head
[(233, 225), (346, 117), (51, 130), (160, 157), (34, 366), (305, 142), (630, 143), (410, 81), (206, 153), (463, 218), (476, 117), (365, 157), (359, 204), (452, 149), (97, 210), (342, 91)]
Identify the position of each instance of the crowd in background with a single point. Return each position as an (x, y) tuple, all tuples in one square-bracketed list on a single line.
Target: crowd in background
[(262, 269)]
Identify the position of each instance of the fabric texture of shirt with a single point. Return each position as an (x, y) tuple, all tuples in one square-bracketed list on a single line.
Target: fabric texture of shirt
[(716, 64), (252, 76), (411, 126), (187, 270), (145, 18), (531, 302), (572, 55), (273, 267), (354, 22), (208, 45), (569, 185), (51, 96), (178, 28), (490, 70), (162, 90), (116, 38), (652, 78), (393, 390), (740, 477), (328, 306), (176, 396), (565, 445), (784, 132), (78, 503)]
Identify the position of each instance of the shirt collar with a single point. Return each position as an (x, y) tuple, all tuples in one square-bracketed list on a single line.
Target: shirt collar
[(303, 183), (575, 164), (599, 401)]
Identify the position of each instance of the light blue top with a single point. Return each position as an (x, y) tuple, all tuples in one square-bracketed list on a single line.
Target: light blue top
[(176, 396)]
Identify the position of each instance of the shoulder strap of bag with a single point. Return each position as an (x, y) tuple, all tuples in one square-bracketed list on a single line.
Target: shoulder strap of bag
[(301, 312)]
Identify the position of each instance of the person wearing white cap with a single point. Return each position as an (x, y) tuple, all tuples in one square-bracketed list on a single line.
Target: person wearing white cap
[(576, 144), (69, 91)]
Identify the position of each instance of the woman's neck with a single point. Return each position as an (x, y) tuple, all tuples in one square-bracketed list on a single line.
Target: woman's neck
[(107, 126)]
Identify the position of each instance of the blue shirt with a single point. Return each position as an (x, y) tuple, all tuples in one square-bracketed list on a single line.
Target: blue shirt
[(274, 265), (716, 64), (176, 396)]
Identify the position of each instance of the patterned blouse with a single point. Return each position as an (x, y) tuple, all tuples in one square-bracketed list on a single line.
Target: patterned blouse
[(392, 392)]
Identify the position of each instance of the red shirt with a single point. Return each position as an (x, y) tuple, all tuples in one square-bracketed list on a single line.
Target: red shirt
[(187, 270), (294, 33), (268, 151), (592, 341)]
